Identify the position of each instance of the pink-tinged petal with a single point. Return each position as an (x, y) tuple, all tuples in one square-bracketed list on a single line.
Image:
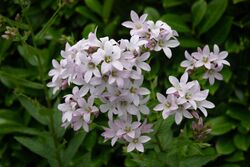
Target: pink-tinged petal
[(131, 147), (173, 43), (185, 63), (144, 109), (171, 90), (104, 108), (160, 97), (143, 18), (143, 91), (136, 100), (86, 117), (207, 104), (211, 80), (77, 126), (128, 24), (134, 16), (135, 125), (208, 65), (139, 147), (218, 76), (159, 107), (198, 64), (187, 114), (204, 111), (216, 49), (105, 67), (118, 65), (223, 54), (193, 104), (167, 52), (178, 118), (88, 76), (184, 78), (144, 66), (113, 141), (206, 50), (173, 80), (144, 139), (144, 56), (131, 134), (165, 114)]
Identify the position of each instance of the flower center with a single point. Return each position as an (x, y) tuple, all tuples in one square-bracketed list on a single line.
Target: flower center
[(127, 129), (114, 73), (205, 59), (105, 78), (161, 43), (91, 65), (168, 105), (133, 90), (188, 96), (138, 26), (135, 140), (108, 59)]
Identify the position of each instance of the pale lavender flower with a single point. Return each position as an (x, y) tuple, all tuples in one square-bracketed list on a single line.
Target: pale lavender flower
[(167, 105), (137, 142), (213, 74), (202, 105), (138, 24), (204, 58), (220, 56), (87, 108), (181, 112), (189, 63)]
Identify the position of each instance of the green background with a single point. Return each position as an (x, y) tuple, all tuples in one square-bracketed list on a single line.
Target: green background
[(30, 132)]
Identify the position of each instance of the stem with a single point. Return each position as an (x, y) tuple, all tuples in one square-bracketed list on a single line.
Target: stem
[(158, 140)]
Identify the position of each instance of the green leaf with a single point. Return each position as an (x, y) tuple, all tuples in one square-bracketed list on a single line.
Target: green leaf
[(73, 146), (237, 156), (90, 140), (226, 73), (225, 145), (95, 6), (176, 22), (85, 12), (241, 142), (33, 108), (164, 133), (29, 56), (198, 11), (110, 28), (153, 14), (172, 3), (189, 42), (13, 81), (107, 8), (40, 146), (87, 29), (241, 114), (215, 10), (220, 34), (221, 125)]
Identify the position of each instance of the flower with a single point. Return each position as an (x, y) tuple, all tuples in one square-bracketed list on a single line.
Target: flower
[(213, 74), (138, 24), (166, 104), (137, 143)]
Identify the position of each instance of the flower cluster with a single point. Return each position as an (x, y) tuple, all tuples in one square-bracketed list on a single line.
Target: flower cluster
[(159, 35), (212, 61), (183, 98), (111, 71)]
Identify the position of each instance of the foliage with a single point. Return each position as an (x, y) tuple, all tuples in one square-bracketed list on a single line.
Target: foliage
[(30, 124)]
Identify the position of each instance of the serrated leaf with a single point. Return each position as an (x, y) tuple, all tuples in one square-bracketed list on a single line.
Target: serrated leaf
[(198, 11), (215, 10)]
